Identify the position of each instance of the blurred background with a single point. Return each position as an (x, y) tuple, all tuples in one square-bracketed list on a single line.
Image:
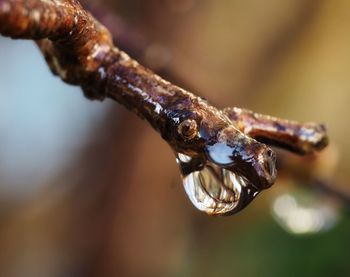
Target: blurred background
[(89, 189)]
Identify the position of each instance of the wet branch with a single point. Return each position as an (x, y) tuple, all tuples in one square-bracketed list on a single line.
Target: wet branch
[(80, 51)]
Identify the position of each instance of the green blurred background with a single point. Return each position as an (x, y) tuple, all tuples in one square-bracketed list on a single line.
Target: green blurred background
[(88, 189)]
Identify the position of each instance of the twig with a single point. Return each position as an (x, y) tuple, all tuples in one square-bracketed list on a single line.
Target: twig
[(299, 138), (333, 190), (80, 50)]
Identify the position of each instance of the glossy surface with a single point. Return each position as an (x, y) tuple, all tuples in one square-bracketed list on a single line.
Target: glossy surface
[(213, 189), (224, 143), (301, 138)]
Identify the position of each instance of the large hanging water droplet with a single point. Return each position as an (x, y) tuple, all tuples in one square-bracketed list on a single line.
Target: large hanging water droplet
[(214, 189)]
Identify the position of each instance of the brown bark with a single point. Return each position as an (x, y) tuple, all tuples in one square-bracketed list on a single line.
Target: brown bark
[(80, 50)]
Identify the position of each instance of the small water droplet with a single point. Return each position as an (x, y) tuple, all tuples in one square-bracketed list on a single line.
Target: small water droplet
[(214, 189), (302, 212), (183, 158)]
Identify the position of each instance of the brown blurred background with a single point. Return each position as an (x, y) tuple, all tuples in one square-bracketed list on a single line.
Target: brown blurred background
[(88, 189)]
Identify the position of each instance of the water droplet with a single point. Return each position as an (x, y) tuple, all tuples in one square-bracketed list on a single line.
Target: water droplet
[(302, 212), (214, 189)]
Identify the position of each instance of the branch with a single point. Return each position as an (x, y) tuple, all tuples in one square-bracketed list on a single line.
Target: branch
[(207, 142), (299, 138)]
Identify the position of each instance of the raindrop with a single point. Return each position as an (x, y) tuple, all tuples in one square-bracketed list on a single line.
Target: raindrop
[(301, 213), (212, 188)]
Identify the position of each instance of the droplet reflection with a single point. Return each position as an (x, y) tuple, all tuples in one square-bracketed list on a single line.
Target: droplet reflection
[(220, 153), (213, 189)]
